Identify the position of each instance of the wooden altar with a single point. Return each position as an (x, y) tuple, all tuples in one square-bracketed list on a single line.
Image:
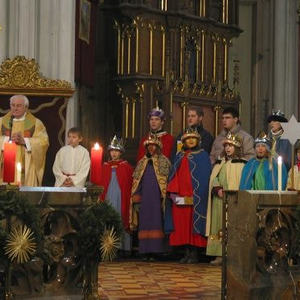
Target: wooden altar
[(59, 266), (261, 246)]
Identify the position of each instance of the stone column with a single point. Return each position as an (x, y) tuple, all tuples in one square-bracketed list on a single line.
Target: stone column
[(3, 30), (285, 88), (22, 28), (57, 46)]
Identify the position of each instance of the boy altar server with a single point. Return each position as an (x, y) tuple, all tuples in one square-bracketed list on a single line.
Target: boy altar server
[(72, 162)]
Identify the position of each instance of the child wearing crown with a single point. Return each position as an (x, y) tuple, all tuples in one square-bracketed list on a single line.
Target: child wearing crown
[(225, 175), (260, 172), (185, 218), (148, 198), (117, 181), (295, 184)]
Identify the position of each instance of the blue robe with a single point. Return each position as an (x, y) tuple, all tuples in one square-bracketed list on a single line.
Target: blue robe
[(200, 168), (271, 176), (206, 141), (284, 149)]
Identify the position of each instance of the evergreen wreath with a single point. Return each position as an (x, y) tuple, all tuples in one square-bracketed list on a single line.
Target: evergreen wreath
[(14, 204), (94, 221)]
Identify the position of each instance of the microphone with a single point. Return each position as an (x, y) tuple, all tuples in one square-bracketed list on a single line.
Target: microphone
[(10, 126)]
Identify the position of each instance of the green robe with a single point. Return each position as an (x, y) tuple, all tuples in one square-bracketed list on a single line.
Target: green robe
[(225, 174)]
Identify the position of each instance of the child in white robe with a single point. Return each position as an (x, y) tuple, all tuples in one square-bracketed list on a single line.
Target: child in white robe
[(72, 162)]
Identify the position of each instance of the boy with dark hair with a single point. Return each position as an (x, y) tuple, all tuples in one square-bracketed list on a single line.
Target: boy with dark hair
[(231, 123), (156, 119), (231, 110), (194, 120), (72, 162)]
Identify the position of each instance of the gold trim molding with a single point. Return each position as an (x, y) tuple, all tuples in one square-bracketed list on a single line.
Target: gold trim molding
[(21, 75)]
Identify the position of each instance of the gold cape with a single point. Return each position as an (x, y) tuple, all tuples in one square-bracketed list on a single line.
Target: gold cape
[(161, 166), (33, 162)]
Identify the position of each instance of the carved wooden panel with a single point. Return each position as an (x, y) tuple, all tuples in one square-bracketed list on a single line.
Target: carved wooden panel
[(47, 97)]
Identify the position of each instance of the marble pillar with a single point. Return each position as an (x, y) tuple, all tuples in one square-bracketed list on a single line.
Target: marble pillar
[(285, 60), (3, 29)]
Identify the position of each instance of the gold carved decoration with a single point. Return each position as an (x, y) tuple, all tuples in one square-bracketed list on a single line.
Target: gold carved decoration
[(22, 75), (150, 27), (163, 30), (117, 27), (183, 106)]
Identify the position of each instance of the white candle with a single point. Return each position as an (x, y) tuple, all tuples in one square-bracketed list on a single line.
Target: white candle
[(279, 160), (19, 171)]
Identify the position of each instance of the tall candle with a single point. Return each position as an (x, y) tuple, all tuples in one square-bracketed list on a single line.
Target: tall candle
[(96, 163), (279, 160), (19, 171), (9, 161)]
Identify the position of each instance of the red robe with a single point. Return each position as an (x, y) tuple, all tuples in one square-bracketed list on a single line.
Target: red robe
[(167, 141), (124, 175), (181, 185)]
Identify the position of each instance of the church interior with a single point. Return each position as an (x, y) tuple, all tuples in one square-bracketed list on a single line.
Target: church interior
[(102, 66)]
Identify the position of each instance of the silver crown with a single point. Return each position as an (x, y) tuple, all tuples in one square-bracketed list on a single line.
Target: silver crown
[(262, 138), (116, 144)]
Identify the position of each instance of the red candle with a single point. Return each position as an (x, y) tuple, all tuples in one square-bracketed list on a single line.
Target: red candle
[(9, 161), (96, 163)]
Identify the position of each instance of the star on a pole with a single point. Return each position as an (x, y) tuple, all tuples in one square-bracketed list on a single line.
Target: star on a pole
[(291, 130)]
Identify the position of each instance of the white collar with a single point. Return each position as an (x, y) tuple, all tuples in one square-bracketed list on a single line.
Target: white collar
[(20, 119)]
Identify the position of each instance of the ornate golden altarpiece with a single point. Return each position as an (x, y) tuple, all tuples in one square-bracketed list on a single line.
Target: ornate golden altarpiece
[(173, 54), (48, 101)]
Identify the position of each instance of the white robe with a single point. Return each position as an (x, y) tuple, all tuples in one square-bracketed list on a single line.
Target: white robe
[(71, 162)]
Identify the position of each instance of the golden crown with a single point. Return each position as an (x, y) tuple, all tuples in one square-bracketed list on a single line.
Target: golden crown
[(153, 139), (190, 133), (232, 139)]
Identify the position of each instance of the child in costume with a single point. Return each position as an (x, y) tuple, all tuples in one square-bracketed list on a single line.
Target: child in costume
[(225, 175), (261, 172), (188, 189), (148, 198), (117, 181), (296, 184)]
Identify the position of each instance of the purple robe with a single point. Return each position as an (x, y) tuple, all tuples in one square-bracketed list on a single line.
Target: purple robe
[(151, 236)]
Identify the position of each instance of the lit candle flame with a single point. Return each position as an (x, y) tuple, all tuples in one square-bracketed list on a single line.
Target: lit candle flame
[(279, 160), (96, 146)]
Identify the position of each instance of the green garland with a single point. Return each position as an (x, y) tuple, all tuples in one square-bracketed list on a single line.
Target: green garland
[(12, 203), (94, 221)]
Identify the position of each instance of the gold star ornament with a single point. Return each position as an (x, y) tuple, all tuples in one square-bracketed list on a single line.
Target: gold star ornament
[(20, 244), (109, 244)]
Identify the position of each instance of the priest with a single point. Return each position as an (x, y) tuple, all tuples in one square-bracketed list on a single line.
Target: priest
[(31, 138)]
